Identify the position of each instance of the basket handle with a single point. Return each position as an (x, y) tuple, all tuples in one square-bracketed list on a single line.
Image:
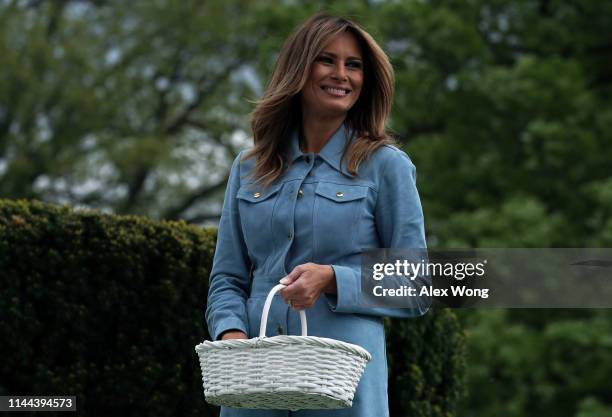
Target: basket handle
[(266, 308)]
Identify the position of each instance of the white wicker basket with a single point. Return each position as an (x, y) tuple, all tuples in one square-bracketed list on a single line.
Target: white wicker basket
[(281, 372)]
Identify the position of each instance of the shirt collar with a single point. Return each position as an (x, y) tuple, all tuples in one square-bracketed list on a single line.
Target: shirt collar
[(331, 152)]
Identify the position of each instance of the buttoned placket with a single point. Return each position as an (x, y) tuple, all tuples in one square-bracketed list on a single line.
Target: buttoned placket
[(294, 193), (309, 160)]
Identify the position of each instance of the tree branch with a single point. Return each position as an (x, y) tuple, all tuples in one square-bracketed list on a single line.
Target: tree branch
[(137, 185), (135, 188), (203, 217), (204, 85), (205, 192), (57, 10), (173, 77)]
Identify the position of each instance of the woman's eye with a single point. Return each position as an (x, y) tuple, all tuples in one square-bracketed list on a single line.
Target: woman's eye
[(329, 60)]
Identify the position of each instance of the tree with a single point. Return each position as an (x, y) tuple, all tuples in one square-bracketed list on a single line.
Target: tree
[(132, 107)]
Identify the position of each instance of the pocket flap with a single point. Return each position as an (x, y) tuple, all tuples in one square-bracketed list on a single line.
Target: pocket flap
[(255, 194), (341, 192)]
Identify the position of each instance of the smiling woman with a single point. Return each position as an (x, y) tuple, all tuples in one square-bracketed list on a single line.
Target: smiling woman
[(325, 51), (335, 80), (322, 183)]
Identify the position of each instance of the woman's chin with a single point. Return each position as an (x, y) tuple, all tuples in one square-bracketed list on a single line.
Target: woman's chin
[(338, 110)]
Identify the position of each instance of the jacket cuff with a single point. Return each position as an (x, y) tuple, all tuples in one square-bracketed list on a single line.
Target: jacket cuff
[(228, 324), (348, 286)]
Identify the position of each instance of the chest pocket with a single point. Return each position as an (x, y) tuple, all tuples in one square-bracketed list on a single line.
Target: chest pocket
[(256, 207), (338, 208)]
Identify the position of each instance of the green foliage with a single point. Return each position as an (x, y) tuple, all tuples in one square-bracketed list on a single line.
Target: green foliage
[(558, 364), (125, 106), (109, 308), (426, 365), (105, 308)]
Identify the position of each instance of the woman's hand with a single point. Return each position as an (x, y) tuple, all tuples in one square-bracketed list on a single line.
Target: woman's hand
[(306, 283), (233, 334)]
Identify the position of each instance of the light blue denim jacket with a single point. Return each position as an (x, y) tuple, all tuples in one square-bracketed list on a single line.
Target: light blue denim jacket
[(316, 212)]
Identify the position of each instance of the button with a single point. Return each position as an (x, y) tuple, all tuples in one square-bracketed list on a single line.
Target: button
[(300, 193), (339, 194), (290, 235), (257, 195)]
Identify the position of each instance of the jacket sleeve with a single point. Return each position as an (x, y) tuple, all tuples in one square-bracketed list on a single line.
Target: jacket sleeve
[(229, 278), (400, 224)]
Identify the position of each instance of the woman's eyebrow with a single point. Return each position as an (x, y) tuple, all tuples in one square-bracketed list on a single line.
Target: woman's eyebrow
[(335, 56)]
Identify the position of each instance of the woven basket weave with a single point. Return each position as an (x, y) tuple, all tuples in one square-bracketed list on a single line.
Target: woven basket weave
[(281, 372)]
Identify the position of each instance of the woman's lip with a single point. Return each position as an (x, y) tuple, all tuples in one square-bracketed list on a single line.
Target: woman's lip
[(346, 92), (337, 88)]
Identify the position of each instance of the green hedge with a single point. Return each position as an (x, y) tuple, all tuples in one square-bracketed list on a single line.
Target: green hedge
[(109, 308)]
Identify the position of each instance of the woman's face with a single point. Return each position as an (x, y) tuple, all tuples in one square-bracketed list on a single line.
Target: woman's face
[(335, 79)]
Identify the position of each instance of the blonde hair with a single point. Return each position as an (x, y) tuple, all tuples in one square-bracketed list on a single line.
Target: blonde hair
[(279, 110)]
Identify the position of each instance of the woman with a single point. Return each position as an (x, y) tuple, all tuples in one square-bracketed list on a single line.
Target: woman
[(322, 183)]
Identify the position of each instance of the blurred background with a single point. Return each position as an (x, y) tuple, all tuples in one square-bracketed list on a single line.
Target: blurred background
[(139, 107)]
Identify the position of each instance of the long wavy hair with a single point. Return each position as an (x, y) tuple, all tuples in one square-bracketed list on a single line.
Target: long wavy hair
[(279, 110)]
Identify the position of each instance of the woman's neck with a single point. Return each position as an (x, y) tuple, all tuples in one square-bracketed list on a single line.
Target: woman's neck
[(316, 133)]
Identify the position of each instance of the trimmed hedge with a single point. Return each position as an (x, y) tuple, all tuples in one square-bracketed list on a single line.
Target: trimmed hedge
[(109, 308)]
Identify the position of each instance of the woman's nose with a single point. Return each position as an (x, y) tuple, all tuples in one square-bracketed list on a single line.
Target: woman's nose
[(339, 71)]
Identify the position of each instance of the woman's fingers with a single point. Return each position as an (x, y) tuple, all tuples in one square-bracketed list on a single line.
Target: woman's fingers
[(294, 291), (296, 302), (304, 285), (293, 275), (231, 334), (299, 305), (295, 294)]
